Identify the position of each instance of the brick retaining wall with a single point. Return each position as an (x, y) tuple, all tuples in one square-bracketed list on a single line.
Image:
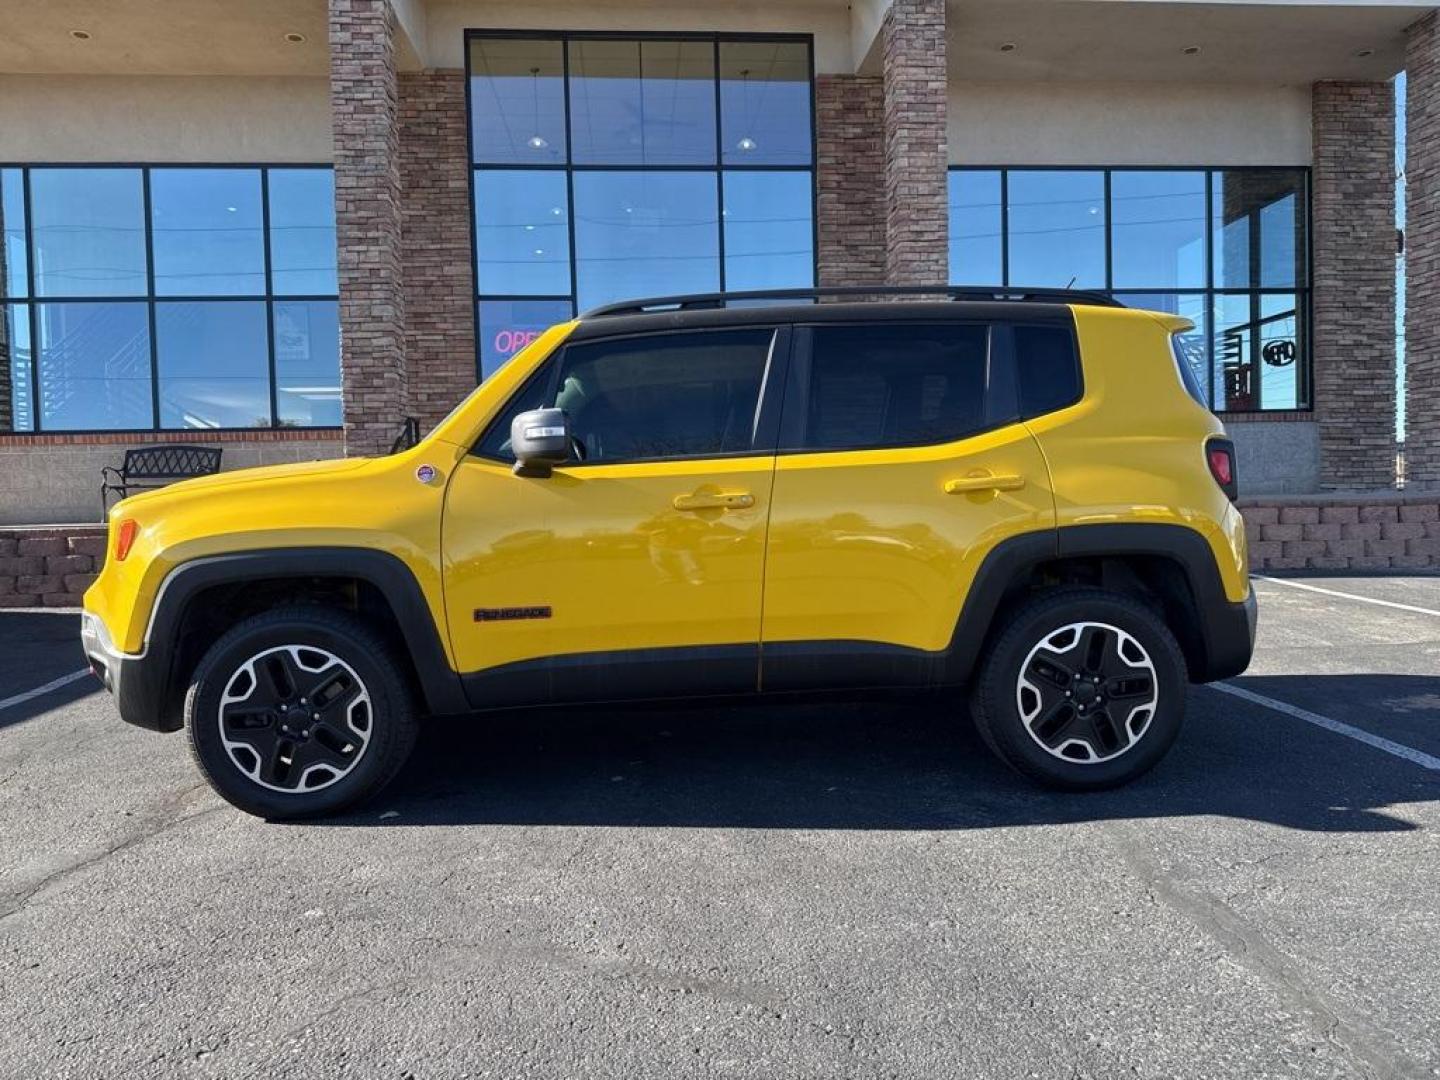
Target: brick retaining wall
[(1359, 532), (49, 566)]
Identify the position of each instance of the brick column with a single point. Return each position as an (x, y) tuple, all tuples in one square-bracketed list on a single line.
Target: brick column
[(364, 107), (1422, 253), (438, 279), (1354, 288), (850, 178), (916, 155)]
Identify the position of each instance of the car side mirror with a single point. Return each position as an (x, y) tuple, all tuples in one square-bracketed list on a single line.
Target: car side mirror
[(540, 440)]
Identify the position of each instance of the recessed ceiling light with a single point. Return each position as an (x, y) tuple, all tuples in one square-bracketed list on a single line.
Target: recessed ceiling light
[(1364, 53), (80, 35), (1008, 46), (1191, 50), (295, 39)]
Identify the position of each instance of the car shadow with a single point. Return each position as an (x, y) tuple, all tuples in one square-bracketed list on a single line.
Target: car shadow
[(902, 762), (37, 647)]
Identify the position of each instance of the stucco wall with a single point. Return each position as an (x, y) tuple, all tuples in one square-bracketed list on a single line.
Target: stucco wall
[(1048, 123), (1276, 457), (60, 118)]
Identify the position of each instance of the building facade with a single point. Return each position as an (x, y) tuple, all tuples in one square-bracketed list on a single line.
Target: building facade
[(282, 227)]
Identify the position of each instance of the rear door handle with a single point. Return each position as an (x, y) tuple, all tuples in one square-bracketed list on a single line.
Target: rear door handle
[(714, 500), (984, 482)]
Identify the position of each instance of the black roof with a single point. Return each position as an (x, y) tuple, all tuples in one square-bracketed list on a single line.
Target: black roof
[(865, 304)]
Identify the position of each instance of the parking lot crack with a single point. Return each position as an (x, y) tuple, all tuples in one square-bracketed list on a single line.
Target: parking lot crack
[(1368, 1048)]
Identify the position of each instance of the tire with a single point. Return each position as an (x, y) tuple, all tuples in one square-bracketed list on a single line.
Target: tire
[(1033, 708), (268, 755)]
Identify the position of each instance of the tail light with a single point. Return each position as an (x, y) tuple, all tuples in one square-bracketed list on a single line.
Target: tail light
[(125, 538), (1220, 456)]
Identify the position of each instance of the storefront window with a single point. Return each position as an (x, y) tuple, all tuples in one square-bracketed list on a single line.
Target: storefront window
[(1226, 248), (169, 297), (652, 165)]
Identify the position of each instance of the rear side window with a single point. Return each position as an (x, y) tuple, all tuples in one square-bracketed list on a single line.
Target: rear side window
[(690, 394), (1189, 349), (894, 384), (1048, 368)]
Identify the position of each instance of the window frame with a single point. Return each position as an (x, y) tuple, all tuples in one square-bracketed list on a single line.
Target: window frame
[(150, 298), (569, 167), (1302, 292), (999, 352), (773, 380)]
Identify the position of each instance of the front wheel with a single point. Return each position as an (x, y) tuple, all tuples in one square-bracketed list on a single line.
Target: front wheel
[(1083, 689), (299, 712)]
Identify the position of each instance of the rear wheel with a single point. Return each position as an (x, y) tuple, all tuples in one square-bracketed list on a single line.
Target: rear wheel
[(299, 712), (1083, 689)]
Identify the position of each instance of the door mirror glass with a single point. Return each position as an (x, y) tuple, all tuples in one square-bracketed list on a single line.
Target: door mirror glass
[(540, 440)]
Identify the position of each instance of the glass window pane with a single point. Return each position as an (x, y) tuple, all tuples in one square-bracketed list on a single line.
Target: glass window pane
[(1057, 229), (765, 103), (89, 232), (1047, 368), (895, 385), (214, 364), (517, 101), (307, 363), (1158, 229), (645, 234), (665, 395), (507, 326), (13, 256), (1259, 221), (17, 408), (94, 366), (769, 232), (975, 223), (302, 232), (207, 232), (1260, 353), (522, 232), (642, 102)]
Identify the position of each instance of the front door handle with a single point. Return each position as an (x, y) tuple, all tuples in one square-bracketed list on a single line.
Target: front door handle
[(984, 482), (714, 500)]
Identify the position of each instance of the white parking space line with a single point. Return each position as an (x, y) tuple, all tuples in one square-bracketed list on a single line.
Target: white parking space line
[(1347, 595), (1424, 760), (53, 684)]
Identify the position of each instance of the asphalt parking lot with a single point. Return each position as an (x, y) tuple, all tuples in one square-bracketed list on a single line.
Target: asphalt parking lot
[(806, 891)]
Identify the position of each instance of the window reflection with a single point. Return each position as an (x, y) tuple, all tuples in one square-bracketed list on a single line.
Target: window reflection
[(522, 232), (517, 101), (1057, 228), (206, 232), (507, 326), (1158, 229), (642, 102), (1259, 222), (769, 231), (645, 233), (307, 363), (12, 217), (976, 245), (94, 362), (765, 103), (1258, 352), (213, 364), (302, 232), (17, 411), (88, 232)]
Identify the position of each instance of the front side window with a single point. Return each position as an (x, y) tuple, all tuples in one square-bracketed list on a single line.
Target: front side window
[(611, 168), (896, 384), (1225, 248), (172, 297), (682, 395)]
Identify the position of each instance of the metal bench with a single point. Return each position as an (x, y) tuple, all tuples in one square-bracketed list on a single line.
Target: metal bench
[(156, 466)]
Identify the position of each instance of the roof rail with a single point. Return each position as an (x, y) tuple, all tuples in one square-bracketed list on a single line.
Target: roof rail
[(700, 301)]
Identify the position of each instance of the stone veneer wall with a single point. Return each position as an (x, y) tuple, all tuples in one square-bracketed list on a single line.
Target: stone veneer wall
[(1353, 216), (438, 280), (49, 567), (1344, 532), (1422, 253), (850, 172), (364, 103), (915, 85)]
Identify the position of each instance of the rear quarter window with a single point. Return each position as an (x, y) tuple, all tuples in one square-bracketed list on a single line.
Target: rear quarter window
[(1048, 368)]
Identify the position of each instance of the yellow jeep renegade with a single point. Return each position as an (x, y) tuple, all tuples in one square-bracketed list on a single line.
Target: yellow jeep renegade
[(1024, 496)]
